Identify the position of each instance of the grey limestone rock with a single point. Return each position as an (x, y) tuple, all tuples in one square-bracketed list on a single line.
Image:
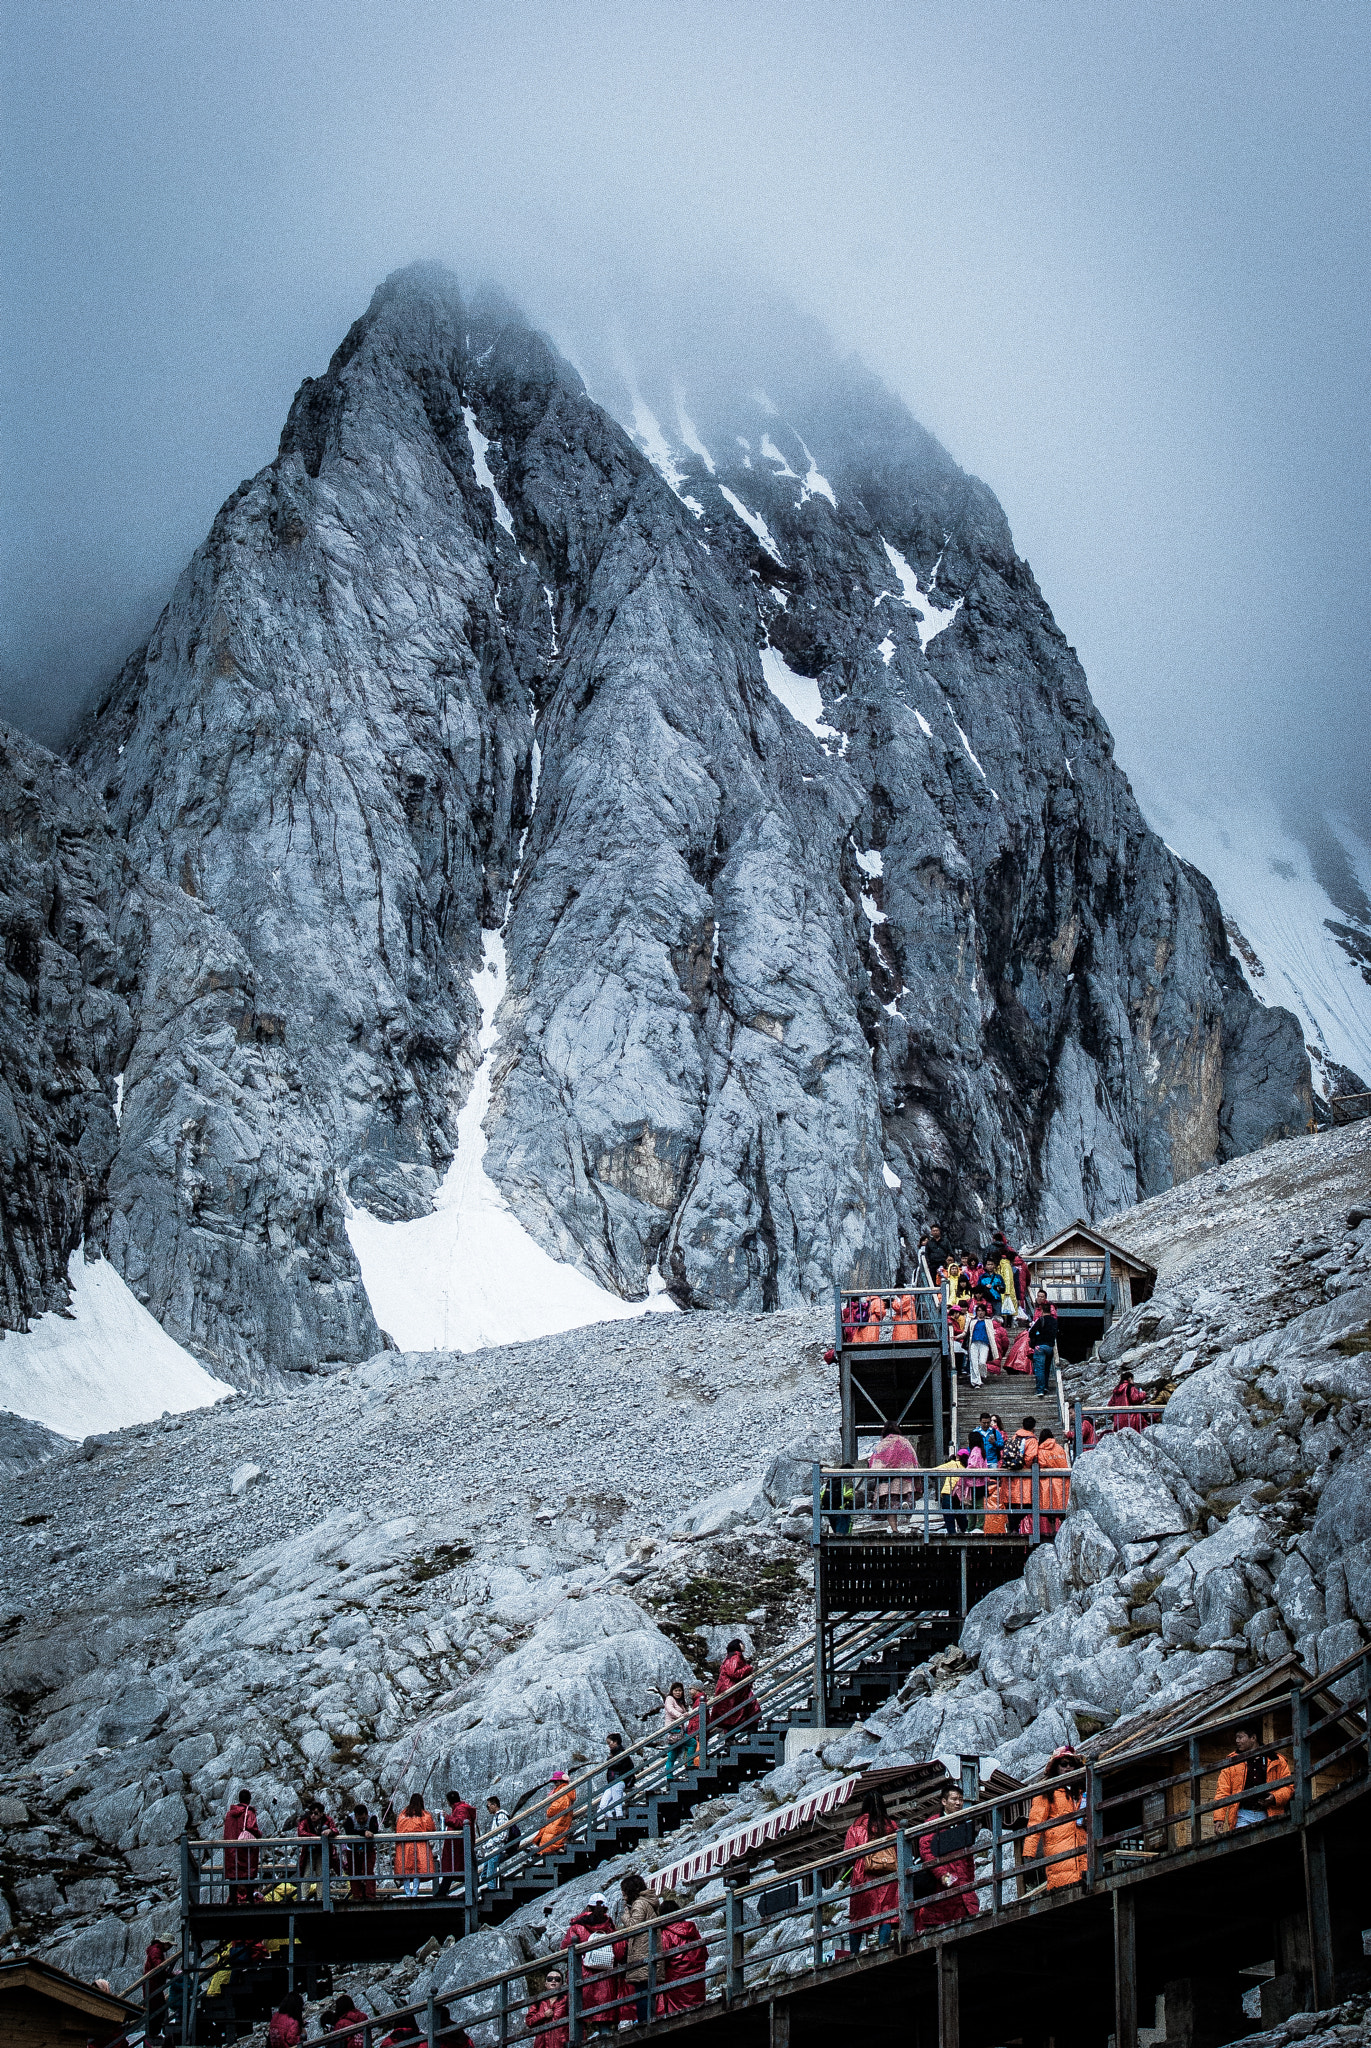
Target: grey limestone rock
[(1125, 1488), (461, 659), (65, 1026)]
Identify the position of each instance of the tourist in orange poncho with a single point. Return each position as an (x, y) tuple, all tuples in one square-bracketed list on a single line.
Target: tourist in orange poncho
[(1053, 1494), (560, 1809), (1057, 1817), (1243, 1780), (870, 1332), (905, 1329), (414, 1858)]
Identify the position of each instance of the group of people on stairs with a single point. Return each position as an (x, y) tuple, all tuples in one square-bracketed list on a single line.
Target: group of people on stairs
[(984, 1487)]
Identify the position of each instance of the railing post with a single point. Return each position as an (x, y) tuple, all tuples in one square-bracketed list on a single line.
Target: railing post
[(939, 1443), (652, 1953), (504, 2012), (905, 1875), (816, 1532), (573, 1987), (1125, 1968), (816, 1918), (996, 1859), (702, 1748), (1196, 1818), (1299, 1755), (733, 1942), (1078, 1411), (326, 1857), (473, 1912), (1108, 1289), (1094, 1824), (430, 2023), (1037, 1524), (290, 1953)]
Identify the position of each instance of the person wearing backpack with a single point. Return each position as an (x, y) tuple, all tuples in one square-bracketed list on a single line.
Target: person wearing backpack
[(874, 1903), (600, 1966), (501, 1845), (1020, 1453)]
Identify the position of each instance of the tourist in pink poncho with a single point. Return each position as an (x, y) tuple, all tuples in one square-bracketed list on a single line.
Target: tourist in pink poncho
[(894, 1453)]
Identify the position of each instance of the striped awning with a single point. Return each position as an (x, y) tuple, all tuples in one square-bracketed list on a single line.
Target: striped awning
[(693, 1869)]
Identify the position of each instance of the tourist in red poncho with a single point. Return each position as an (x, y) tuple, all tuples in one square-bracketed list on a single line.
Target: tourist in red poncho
[(740, 1710), (680, 1963), (542, 2015), (603, 2003), (948, 1853), (452, 1858), (875, 1900), (240, 1865)]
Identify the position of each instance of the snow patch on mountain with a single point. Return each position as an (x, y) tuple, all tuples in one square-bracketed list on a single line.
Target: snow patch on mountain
[(753, 520), (469, 1274), (933, 618), (107, 1364), (1266, 882), (480, 446), (799, 694)]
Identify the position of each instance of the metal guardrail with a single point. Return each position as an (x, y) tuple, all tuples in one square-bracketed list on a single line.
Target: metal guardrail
[(738, 1946), (931, 1502), (1106, 1420), (305, 1879)]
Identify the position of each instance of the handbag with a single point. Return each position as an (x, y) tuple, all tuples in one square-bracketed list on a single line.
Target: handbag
[(883, 1862)]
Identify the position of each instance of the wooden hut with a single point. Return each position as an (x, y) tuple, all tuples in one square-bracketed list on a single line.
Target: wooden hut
[(1089, 1279), (42, 2007), (1198, 1734)]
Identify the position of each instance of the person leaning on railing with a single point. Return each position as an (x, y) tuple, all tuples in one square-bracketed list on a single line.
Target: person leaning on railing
[(1060, 1825), (894, 1453), (949, 1853), (874, 1902), (639, 1905), (542, 2017), (1053, 1494), (1244, 1780)]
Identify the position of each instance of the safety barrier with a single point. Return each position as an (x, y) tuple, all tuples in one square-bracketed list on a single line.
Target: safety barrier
[(988, 1859), (932, 1502), (1106, 1420), (307, 1873)]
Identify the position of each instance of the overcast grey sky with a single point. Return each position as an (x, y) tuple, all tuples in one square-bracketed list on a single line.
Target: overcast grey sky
[(1115, 257)]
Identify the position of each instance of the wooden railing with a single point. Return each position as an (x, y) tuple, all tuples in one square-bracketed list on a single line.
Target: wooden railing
[(1048, 1841)]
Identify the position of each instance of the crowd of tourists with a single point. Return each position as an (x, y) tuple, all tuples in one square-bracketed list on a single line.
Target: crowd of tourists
[(410, 1851)]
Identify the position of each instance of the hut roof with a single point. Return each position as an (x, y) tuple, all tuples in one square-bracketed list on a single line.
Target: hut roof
[(1080, 1228), (27, 1973)]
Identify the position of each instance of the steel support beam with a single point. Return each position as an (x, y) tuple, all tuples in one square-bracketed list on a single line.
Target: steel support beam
[(1125, 1969)]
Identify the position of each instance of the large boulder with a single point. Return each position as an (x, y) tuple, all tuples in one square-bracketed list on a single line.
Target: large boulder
[(589, 1666), (1128, 1491)]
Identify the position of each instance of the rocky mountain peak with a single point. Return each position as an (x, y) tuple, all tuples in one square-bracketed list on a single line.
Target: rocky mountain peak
[(710, 812)]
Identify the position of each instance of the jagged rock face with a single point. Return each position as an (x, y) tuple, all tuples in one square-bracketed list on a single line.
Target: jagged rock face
[(713, 1050), (65, 1027)]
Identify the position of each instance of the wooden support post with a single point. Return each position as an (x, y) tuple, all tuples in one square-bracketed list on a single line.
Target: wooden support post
[(778, 2017), (1125, 1969), (1320, 1915), (949, 1996)]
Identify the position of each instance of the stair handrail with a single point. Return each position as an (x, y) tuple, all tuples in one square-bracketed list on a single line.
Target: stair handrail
[(1007, 1856)]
